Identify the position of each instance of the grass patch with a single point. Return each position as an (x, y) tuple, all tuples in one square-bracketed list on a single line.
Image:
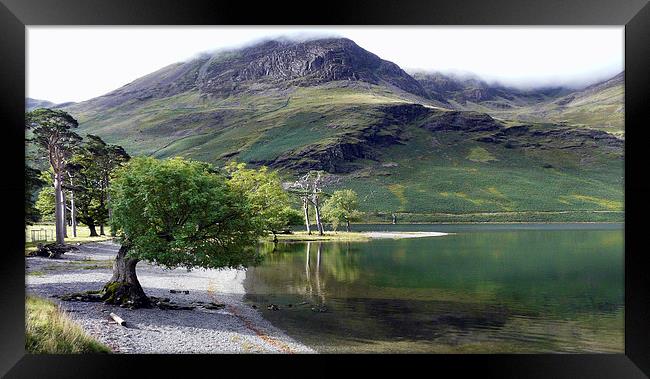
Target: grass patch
[(479, 154), (50, 331), (609, 204), (398, 191)]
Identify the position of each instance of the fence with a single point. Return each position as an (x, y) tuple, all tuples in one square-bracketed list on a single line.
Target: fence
[(42, 235)]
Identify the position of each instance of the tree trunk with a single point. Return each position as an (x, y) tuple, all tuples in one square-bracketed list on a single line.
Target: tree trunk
[(124, 287), (319, 223), (101, 225), (65, 214), (347, 225), (110, 214), (73, 215), (305, 207), (93, 231), (59, 214)]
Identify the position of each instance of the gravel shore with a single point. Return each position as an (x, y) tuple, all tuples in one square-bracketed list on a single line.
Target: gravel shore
[(398, 235), (236, 328)]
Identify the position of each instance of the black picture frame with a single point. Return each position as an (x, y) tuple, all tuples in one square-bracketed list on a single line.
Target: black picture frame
[(634, 14)]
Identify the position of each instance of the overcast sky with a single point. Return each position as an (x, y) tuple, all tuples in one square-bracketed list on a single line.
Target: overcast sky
[(79, 63)]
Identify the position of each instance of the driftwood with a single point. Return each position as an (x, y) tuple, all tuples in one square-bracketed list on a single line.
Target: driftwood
[(117, 319), (180, 291), (213, 305), (53, 250)]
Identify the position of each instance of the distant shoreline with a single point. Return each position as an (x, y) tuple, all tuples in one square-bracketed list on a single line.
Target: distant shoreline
[(399, 235), (490, 222)]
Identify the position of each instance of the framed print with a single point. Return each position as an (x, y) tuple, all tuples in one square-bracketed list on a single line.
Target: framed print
[(381, 185)]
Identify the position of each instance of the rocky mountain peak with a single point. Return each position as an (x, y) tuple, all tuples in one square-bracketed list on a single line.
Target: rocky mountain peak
[(302, 63)]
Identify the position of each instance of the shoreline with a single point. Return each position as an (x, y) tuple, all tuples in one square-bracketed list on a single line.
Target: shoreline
[(400, 235), (234, 328)]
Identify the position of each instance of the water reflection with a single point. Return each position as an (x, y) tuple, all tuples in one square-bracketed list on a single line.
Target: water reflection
[(523, 290)]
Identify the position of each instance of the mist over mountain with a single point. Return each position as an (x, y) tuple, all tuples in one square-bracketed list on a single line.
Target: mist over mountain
[(599, 105)]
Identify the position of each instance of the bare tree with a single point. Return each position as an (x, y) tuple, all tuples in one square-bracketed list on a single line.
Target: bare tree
[(310, 190)]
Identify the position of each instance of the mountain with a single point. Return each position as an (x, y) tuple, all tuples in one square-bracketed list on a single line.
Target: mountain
[(31, 104), (401, 143), (599, 106)]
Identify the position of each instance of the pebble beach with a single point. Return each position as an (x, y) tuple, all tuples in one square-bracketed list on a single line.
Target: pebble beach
[(231, 327)]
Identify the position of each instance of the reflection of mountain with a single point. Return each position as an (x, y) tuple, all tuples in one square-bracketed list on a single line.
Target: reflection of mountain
[(422, 145)]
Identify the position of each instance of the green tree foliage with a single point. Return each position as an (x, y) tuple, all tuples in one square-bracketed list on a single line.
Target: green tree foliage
[(45, 203), (341, 207), (293, 216), (263, 190), (89, 175), (176, 212), (33, 183)]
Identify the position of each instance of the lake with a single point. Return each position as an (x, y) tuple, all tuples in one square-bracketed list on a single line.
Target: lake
[(482, 288)]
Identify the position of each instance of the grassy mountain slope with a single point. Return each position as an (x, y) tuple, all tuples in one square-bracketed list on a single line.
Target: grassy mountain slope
[(335, 107)]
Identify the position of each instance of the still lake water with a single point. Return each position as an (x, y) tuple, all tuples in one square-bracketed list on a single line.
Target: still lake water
[(484, 288)]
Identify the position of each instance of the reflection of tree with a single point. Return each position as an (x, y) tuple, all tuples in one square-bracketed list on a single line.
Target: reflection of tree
[(319, 291), (342, 265), (310, 286), (307, 271)]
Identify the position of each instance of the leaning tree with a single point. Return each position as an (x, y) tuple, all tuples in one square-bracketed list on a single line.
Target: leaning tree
[(175, 213), (53, 135)]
